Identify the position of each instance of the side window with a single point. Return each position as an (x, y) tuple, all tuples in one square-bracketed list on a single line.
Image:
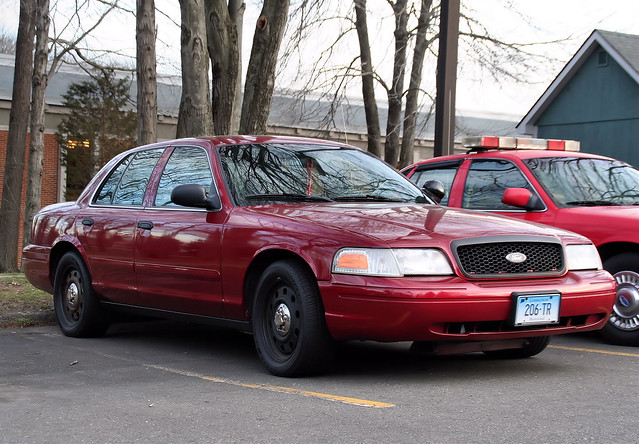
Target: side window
[(187, 165), (445, 174), (135, 178), (486, 182), (107, 190)]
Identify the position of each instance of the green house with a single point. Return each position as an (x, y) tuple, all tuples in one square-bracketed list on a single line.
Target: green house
[(594, 99)]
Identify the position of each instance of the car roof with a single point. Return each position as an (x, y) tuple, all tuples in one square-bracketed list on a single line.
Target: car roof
[(247, 139), (512, 154)]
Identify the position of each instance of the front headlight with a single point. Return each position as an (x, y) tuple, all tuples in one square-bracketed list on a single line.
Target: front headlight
[(391, 262), (582, 257)]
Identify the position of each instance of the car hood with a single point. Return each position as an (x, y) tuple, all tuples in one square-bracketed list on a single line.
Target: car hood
[(401, 224)]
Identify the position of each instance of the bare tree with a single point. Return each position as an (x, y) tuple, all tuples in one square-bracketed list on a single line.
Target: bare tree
[(16, 143), (396, 90), (147, 102), (260, 75), (195, 116), (224, 30), (412, 95), (415, 30), (368, 80), (36, 142)]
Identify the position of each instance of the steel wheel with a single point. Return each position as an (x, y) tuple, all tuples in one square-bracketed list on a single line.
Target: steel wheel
[(77, 308), (282, 321), (288, 321), (73, 297)]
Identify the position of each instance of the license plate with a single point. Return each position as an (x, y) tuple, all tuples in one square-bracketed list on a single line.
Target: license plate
[(536, 309)]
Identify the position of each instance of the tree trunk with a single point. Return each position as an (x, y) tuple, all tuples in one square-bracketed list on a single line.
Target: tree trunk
[(406, 154), (17, 139), (146, 72), (223, 46), (194, 118), (368, 82), (394, 123), (36, 143), (260, 76), (236, 9)]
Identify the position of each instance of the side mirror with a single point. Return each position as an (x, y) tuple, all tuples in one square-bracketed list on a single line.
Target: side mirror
[(435, 189), (523, 198), (191, 195)]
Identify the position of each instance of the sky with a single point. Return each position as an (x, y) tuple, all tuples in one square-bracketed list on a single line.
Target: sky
[(566, 23)]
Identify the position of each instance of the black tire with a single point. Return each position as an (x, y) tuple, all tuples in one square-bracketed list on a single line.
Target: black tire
[(77, 308), (288, 322), (623, 326), (534, 346)]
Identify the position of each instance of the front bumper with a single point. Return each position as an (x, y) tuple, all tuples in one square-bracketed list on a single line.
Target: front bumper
[(455, 309)]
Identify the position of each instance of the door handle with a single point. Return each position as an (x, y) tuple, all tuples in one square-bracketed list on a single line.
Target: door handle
[(87, 221), (145, 224)]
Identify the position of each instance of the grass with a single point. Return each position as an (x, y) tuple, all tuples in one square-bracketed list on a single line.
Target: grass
[(23, 305)]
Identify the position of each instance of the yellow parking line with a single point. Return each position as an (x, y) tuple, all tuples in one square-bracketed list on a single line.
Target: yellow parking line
[(275, 388), (590, 350)]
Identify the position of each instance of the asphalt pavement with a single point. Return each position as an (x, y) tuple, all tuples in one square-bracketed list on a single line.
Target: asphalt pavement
[(160, 381)]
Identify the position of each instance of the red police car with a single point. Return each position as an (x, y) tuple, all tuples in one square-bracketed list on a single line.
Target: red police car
[(306, 242), (551, 182)]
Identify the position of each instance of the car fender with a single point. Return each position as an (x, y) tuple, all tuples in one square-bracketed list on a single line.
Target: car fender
[(64, 244), (316, 262)]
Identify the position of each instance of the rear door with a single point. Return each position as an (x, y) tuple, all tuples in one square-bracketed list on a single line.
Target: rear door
[(106, 228), (446, 172)]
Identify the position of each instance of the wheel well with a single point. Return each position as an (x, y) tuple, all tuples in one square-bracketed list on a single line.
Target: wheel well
[(606, 251), (56, 254), (257, 267)]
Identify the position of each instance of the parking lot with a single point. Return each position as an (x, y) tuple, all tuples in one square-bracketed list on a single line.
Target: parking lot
[(169, 382)]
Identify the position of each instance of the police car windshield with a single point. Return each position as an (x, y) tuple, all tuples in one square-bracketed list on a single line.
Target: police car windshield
[(577, 181)]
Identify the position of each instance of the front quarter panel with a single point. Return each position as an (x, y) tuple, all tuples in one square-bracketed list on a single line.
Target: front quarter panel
[(248, 239)]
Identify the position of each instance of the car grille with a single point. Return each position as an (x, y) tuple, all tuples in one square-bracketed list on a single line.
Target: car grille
[(487, 259)]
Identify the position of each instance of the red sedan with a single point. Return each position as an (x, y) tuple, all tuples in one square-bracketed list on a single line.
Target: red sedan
[(303, 243)]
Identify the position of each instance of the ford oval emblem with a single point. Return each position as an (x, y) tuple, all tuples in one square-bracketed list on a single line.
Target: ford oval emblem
[(516, 258)]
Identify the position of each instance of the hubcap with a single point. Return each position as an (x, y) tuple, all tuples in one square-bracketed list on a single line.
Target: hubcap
[(282, 319), (72, 297), (625, 314)]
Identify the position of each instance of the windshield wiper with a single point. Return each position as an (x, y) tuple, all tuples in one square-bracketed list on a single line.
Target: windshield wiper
[(290, 197), (592, 203), (366, 198)]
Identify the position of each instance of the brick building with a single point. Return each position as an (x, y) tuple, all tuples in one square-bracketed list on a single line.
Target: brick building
[(51, 173)]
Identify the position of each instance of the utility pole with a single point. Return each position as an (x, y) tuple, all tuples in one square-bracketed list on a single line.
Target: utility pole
[(446, 78)]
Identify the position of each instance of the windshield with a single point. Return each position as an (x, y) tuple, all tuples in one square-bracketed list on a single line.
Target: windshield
[(572, 181), (267, 173)]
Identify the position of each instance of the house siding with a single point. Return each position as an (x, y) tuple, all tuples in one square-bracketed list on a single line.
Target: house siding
[(600, 108)]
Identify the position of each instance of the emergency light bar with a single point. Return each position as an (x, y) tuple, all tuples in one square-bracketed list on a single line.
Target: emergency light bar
[(521, 143)]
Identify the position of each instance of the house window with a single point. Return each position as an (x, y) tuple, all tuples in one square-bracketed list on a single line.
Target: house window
[(72, 144), (602, 58)]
